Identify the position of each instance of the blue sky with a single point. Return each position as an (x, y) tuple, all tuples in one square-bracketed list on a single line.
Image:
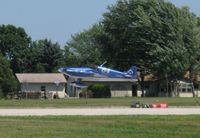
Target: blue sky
[(59, 19)]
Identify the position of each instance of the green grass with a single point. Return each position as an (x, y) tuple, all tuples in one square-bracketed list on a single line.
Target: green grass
[(123, 101), (100, 127)]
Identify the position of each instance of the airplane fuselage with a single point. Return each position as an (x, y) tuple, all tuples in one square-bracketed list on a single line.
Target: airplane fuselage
[(112, 73), (81, 71)]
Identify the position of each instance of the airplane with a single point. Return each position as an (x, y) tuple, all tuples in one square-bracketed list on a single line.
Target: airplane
[(100, 71)]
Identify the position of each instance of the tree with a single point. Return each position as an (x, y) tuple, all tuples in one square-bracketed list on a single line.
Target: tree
[(7, 79), (46, 56), (150, 34), (14, 45), (181, 55), (84, 48), (191, 34)]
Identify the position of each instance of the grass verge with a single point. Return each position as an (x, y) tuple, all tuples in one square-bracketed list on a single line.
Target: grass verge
[(110, 102), (100, 126)]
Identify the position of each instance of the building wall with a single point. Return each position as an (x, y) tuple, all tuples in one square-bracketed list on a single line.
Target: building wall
[(198, 93), (159, 88), (70, 89), (121, 93), (50, 87), (187, 94), (121, 89), (150, 89), (118, 89)]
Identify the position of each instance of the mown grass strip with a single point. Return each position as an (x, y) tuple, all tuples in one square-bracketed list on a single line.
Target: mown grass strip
[(101, 126), (122, 101)]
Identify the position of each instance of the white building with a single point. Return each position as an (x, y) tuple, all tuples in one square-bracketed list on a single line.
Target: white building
[(120, 87), (49, 83)]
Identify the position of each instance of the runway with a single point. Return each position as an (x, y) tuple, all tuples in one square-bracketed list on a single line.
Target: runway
[(99, 111)]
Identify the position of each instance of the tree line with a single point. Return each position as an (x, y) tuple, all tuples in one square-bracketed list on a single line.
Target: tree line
[(155, 35)]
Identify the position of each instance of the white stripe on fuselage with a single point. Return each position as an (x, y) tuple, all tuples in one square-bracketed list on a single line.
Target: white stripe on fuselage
[(105, 70), (110, 72)]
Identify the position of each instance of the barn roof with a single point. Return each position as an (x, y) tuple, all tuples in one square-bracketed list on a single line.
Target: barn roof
[(41, 78)]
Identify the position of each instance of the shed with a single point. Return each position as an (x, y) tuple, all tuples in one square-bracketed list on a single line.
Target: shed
[(53, 83)]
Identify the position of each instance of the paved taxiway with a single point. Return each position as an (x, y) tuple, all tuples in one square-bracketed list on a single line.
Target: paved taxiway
[(99, 111)]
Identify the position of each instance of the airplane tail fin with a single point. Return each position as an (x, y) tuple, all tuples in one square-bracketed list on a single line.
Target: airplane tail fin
[(133, 72)]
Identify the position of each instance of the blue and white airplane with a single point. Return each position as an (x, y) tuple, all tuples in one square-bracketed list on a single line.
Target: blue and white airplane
[(99, 71)]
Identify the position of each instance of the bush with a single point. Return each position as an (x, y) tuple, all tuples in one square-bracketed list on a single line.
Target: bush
[(100, 90)]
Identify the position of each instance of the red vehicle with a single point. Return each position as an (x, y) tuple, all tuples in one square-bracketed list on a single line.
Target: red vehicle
[(159, 105)]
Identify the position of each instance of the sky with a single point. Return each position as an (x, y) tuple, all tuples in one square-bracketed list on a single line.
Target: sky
[(57, 20)]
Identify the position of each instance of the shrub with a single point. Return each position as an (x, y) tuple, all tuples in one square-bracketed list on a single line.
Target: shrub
[(100, 90)]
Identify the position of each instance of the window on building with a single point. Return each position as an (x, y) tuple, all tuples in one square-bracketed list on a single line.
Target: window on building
[(43, 88), (120, 87), (162, 89), (186, 87), (189, 90), (183, 90)]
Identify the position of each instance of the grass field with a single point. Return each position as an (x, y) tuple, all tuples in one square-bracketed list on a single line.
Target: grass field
[(100, 127), (123, 101)]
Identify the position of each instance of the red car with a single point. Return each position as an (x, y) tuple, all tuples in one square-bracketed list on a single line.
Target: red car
[(159, 105)]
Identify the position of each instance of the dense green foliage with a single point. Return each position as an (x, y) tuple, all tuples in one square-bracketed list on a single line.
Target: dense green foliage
[(101, 126), (100, 91), (156, 36), (14, 45), (7, 79), (152, 34), (45, 56), (84, 48)]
